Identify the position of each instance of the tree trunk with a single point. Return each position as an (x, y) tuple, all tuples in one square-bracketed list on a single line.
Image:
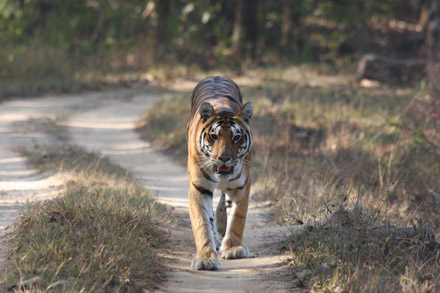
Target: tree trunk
[(286, 25), (291, 28), (236, 30), (98, 26), (251, 25), (163, 8), (433, 44), (44, 8), (432, 132)]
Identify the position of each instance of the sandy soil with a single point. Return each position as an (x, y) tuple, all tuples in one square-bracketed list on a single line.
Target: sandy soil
[(104, 123)]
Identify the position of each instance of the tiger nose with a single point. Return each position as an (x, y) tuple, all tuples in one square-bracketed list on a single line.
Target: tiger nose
[(224, 158)]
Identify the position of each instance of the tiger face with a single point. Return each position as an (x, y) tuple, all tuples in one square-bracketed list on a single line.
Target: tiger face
[(225, 139)]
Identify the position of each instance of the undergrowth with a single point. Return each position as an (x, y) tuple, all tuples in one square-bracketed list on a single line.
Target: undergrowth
[(360, 251)]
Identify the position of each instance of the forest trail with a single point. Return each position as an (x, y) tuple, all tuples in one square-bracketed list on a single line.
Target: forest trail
[(105, 124)]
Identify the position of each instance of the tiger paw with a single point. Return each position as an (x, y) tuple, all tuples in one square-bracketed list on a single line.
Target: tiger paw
[(235, 252), (207, 264)]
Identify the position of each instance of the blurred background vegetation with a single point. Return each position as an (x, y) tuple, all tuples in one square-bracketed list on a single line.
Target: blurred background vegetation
[(64, 44)]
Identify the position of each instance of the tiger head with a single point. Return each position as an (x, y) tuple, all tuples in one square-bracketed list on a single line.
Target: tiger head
[(225, 139)]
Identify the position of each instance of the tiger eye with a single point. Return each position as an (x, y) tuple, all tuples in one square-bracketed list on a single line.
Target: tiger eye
[(236, 137), (213, 136)]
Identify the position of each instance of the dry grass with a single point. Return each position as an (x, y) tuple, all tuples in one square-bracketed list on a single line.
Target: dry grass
[(159, 127), (322, 142), (363, 254), (100, 235), (73, 160)]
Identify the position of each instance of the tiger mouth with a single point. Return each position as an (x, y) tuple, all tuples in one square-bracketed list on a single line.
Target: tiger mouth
[(223, 170)]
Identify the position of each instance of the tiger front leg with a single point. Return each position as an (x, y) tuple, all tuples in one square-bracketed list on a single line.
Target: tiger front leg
[(201, 214), (221, 218), (232, 245)]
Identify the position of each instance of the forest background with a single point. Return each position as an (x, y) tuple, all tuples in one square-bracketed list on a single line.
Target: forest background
[(65, 45)]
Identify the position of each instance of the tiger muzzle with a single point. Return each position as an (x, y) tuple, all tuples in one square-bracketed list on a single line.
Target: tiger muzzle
[(223, 169)]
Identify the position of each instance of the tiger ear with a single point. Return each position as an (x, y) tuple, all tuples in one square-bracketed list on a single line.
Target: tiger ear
[(246, 112), (206, 111)]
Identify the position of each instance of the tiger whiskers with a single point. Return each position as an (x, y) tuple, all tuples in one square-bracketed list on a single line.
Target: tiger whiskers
[(206, 165)]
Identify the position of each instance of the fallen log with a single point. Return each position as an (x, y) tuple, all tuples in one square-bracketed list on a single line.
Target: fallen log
[(388, 233), (25, 284), (407, 235), (390, 71)]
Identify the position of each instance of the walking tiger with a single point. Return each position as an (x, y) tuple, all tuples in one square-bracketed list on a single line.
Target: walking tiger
[(219, 150)]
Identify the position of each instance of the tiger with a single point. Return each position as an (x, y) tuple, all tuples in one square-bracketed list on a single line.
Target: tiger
[(219, 149)]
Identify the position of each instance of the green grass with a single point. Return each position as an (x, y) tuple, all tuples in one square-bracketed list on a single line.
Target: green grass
[(101, 234), (320, 142)]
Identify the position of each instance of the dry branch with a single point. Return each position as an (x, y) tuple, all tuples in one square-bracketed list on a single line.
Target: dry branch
[(26, 283)]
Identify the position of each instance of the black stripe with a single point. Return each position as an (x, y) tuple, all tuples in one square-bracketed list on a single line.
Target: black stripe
[(204, 148), (202, 136), (204, 128), (241, 187), (206, 175), (202, 190), (232, 99), (237, 177), (248, 144)]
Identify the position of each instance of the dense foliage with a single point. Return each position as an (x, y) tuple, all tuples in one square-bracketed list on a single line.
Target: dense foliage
[(213, 27), (63, 46)]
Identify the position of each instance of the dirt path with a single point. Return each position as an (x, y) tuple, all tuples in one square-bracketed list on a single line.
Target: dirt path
[(106, 125)]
